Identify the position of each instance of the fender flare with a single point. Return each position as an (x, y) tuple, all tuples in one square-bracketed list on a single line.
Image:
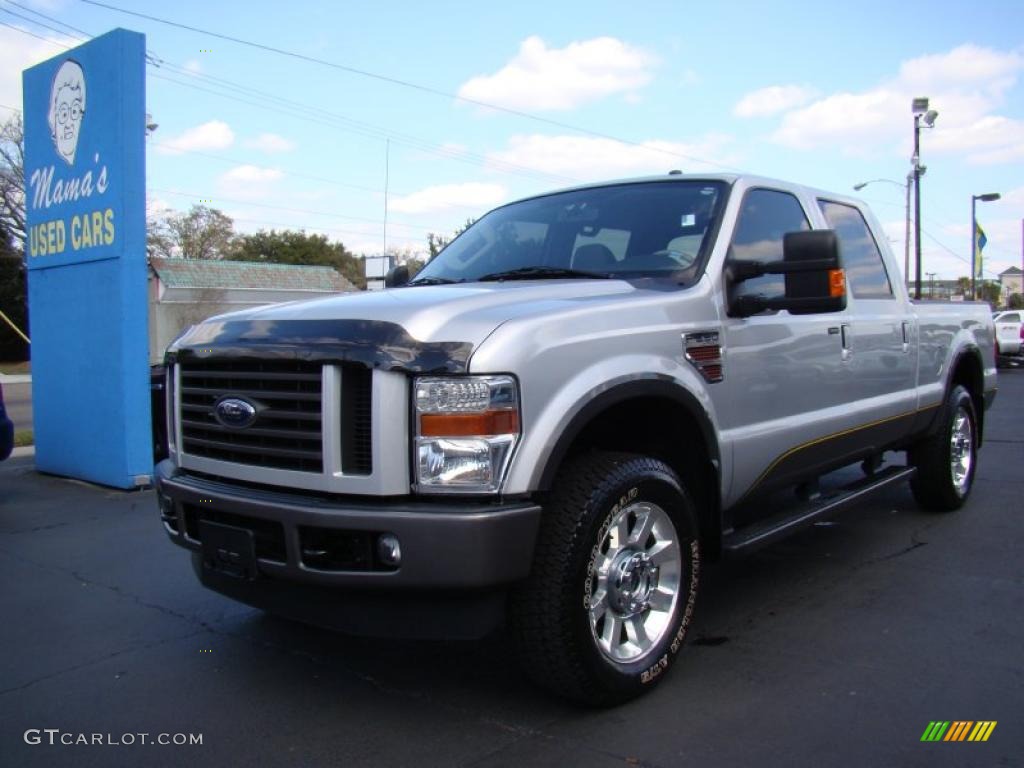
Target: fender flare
[(966, 351), (655, 387)]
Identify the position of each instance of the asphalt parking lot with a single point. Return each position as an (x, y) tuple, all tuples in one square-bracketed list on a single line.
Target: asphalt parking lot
[(836, 647)]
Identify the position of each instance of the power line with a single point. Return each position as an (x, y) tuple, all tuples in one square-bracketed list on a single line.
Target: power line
[(932, 237), (293, 174), (39, 23), (33, 34), (309, 113), (366, 129), (291, 210), (408, 84), (49, 18)]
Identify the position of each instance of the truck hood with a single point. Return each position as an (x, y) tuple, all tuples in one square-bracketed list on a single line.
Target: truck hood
[(414, 328)]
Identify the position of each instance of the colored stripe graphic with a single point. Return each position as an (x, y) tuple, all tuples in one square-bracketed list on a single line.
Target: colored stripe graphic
[(958, 730), (982, 730), (935, 730)]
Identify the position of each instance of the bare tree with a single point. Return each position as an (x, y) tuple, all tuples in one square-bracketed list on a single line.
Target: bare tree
[(202, 233), (12, 178)]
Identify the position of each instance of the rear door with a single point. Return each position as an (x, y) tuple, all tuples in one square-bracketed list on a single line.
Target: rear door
[(880, 349)]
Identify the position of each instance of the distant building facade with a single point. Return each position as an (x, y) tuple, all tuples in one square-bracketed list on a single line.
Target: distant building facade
[(1010, 280), (183, 292)]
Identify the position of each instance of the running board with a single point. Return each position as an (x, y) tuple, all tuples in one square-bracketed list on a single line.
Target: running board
[(769, 531)]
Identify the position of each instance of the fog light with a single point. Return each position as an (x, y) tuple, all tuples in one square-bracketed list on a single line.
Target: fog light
[(389, 550)]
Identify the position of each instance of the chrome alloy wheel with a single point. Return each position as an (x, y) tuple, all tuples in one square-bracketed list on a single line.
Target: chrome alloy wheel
[(635, 583), (961, 450)]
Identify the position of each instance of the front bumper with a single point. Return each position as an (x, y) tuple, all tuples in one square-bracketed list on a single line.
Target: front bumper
[(448, 545)]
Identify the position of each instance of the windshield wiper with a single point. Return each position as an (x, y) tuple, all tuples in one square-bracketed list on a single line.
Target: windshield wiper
[(433, 281), (531, 273)]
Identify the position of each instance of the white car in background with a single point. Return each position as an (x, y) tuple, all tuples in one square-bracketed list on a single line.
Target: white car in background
[(1009, 333)]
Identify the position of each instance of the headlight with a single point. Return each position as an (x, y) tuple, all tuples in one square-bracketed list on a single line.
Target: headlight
[(466, 428)]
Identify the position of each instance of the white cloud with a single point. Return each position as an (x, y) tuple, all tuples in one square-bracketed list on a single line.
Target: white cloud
[(964, 65), (989, 140), (772, 100), (445, 196), (540, 78), (215, 134), (249, 182), (966, 85), (193, 66), (270, 143), (590, 159), (20, 51)]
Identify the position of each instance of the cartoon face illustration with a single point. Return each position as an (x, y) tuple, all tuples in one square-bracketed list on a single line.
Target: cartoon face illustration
[(67, 107)]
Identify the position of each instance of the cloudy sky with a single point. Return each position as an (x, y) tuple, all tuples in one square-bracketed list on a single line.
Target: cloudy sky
[(457, 107)]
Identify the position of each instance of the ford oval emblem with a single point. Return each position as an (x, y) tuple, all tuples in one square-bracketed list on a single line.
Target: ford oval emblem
[(234, 412)]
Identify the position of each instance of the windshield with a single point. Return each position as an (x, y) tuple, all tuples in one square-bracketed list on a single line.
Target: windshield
[(649, 229)]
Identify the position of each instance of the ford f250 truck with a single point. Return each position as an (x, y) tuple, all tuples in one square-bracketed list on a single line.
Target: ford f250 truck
[(563, 415)]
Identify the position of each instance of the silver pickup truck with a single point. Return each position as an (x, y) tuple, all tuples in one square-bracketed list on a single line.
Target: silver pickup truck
[(580, 400)]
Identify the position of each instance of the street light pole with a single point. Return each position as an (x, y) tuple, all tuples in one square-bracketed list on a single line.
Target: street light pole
[(920, 109), (906, 234), (917, 204), (986, 198)]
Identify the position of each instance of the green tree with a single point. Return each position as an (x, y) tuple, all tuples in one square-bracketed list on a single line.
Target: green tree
[(202, 233), (963, 286), (293, 247), (437, 243), (989, 291), (12, 179), (1016, 301)]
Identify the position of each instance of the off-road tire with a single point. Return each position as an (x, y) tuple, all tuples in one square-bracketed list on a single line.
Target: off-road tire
[(946, 460), (552, 613)]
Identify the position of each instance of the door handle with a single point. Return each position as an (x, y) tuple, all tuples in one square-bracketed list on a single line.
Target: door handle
[(906, 336), (844, 336)]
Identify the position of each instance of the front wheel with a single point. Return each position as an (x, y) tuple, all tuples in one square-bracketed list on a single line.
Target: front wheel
[(946, 460), (614, 580)]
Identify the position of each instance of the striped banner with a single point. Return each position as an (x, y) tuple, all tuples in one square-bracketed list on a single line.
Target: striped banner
[(958, 730)]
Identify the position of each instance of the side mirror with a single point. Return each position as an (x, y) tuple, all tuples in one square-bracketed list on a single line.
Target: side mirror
[(396, 276), (814, 278)]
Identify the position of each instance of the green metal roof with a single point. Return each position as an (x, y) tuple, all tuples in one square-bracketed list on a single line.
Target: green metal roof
[(204, 273)]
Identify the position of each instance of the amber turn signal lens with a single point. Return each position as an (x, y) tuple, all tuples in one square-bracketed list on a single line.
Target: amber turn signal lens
[(836, 283), (469, 424)]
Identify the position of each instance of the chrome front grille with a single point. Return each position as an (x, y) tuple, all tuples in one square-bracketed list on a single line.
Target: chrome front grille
[(287, 433)]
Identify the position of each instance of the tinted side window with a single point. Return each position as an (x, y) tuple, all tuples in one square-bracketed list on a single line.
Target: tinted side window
[(861, 257), (765, 217)]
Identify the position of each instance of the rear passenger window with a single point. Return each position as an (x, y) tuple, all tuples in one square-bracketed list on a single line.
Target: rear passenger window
[(765, 217), (861, 257)]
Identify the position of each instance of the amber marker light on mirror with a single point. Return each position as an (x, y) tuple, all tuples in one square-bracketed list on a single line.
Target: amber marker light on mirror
[(836, 283)]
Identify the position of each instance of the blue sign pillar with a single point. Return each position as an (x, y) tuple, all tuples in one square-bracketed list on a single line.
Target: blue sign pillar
[(85, 200)]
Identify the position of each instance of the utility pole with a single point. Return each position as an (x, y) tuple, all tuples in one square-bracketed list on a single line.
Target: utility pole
[(387, 169), (919, 107), (906, 235)]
